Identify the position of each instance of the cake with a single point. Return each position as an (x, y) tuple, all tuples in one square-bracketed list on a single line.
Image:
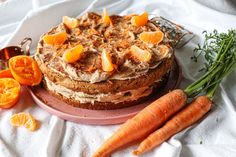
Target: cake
[(86, 82)]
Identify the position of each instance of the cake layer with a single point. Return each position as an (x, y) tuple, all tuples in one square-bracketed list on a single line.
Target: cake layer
[(89, 101), (129, 95)]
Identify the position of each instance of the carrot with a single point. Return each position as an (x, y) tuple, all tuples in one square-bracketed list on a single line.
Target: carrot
[(219, 51), (144, 123), (186, 117), (222, 61)]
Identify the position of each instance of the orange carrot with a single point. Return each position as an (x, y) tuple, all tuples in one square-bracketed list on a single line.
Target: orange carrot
[(186, 117), (144, 123)]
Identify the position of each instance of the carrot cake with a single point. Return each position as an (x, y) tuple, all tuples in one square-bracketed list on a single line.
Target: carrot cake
[(105, 62)]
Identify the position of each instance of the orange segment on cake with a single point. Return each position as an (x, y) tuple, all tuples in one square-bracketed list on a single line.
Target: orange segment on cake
[(123, 60)]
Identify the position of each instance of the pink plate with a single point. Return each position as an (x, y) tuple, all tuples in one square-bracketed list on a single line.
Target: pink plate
[(101, 117)]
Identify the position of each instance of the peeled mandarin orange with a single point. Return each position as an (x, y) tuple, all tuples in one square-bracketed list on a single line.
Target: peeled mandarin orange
[(9, 92), (107, 64), (24, 119), (70, 22), (25, 70), (152, 37), (141, 55), (5, 73), (105, 17), (140, 20), (55, 39), (73, 54)]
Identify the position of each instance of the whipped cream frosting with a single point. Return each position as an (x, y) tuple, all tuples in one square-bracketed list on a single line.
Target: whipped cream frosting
[(129, 95), (132, 70), (95, 36)]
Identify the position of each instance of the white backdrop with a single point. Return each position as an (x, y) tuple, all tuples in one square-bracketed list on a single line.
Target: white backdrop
[(215, 136)]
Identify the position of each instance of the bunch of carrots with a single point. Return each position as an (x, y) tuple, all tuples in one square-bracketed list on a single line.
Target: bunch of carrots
[(153, 125)]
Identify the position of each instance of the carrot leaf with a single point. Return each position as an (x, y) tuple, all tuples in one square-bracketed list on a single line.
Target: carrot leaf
[(219, 50)]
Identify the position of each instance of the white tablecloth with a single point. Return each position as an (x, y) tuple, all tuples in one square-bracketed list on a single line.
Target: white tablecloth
[(214, 136)]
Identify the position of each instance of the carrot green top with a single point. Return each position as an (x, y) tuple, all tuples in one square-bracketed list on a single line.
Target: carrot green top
[(219, 50)]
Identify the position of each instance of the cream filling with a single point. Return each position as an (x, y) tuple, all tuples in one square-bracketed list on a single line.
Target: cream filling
[(130, 95)]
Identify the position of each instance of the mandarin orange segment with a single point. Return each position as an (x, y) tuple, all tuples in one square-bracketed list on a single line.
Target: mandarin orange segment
[(9, 92), (70, 22), (18, 119), (73, 54), (140, 54), (152, 37), (55, 39), (105, 17), (24, 119), (140, 20), (163, 51), (25, 70), (6, 73), (30, 124), (107, 64)]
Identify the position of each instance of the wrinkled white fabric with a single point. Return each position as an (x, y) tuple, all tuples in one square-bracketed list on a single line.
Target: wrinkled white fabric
[(213, 136)]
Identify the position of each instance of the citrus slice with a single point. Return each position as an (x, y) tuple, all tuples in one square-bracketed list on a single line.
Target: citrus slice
[(107, 64), (105, 17), (70, 22), (152, 37), (73, 54), (55, 39), (5, 73), (9, 92), (25, 70), (140, 54), (140, 20), (24, 119)]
